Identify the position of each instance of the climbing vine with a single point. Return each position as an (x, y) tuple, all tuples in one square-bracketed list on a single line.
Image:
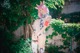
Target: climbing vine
[(68, 31)]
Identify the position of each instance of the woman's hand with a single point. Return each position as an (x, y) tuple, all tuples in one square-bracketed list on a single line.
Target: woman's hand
[(47, 21)]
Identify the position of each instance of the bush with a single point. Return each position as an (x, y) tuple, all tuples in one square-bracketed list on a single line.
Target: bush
[(68, 32), (21, 46), (7, 45)]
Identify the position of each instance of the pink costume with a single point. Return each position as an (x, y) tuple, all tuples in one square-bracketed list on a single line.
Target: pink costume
[(39, 26)]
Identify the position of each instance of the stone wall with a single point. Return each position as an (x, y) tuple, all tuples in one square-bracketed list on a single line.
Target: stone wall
[(71, 7), (58, 41)]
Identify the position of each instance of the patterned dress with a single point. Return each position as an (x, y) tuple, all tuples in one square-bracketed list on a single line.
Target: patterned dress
[(38, 41)]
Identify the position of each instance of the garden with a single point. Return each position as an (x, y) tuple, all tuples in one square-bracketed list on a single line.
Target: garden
[(17, 16)]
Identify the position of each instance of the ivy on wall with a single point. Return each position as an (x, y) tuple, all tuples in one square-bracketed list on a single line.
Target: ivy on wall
[(64, 29), (69, 28)]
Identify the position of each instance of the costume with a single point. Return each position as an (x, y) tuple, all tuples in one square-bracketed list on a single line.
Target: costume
[(39, 26)]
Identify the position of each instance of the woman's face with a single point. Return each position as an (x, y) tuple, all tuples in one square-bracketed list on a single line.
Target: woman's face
[(42, 11)]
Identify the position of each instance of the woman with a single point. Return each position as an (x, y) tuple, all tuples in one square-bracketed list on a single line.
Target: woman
[(39, 26)]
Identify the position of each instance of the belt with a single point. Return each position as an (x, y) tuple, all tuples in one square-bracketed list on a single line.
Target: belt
[(35, 40)]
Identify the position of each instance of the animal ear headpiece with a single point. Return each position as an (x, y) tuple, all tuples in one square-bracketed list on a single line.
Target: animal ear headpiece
[(42, 6), (39, 6)]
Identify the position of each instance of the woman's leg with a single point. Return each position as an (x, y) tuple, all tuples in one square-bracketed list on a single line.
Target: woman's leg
[(41, 43), (34, 47), (34, 43)]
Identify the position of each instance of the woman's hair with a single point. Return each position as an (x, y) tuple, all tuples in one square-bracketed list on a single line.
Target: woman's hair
[(42, 6)]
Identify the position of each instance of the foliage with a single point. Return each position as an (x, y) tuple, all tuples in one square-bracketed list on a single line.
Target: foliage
[(16, 13), (55, 3), (55, 7), (5, 40), (21, 46), (7, 45), (70, 29), (67, 30), (11, 15), (53, 49)]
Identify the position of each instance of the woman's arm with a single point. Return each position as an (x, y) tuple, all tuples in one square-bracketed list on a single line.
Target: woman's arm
[(46, 24)]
